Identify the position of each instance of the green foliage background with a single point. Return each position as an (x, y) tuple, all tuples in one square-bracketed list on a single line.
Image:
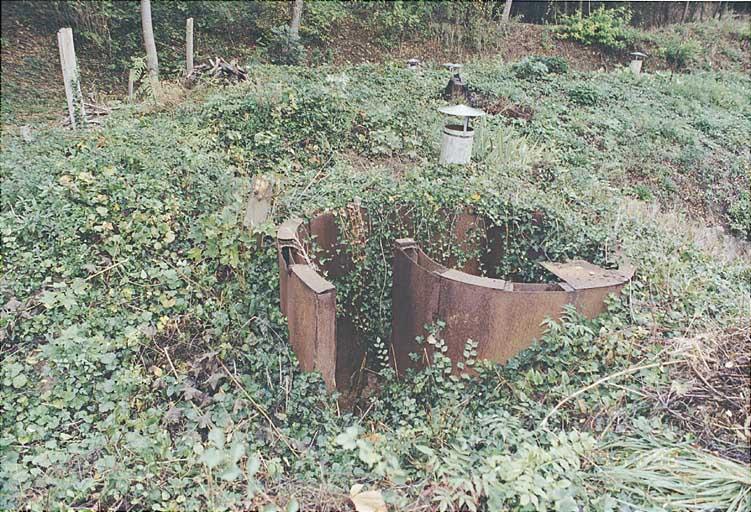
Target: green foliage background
[(145, 359)]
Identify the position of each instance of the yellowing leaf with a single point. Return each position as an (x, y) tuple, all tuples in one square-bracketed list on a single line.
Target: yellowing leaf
[(366, 501), (19, 381), (167, 302)]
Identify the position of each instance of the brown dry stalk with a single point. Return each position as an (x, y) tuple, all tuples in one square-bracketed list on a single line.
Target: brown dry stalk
[(258, 408), (596, 383)]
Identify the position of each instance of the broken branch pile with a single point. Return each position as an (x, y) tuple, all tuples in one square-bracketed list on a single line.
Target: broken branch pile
[(711, 395), (95, 113), (220, 69)]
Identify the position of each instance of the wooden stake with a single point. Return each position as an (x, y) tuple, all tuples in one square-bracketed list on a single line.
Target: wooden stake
[(71, 77), (130, 87), (188, 46)]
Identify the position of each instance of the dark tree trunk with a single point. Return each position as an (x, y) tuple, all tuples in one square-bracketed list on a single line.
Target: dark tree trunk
[(717, 11)]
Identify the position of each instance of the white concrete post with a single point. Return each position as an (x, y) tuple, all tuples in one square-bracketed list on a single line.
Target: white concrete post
[(71, 77), (188, 46)]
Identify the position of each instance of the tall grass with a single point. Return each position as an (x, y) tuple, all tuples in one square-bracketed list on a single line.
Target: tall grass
[(676, 476)]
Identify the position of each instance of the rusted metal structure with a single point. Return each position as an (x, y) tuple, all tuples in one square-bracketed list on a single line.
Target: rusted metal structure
[(502, 317), (321, 341)]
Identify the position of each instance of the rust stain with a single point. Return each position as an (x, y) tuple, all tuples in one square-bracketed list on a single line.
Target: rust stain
[(321, 341), (502, 317)]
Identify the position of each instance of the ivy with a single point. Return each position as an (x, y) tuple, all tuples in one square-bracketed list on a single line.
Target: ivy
[(145, 361)]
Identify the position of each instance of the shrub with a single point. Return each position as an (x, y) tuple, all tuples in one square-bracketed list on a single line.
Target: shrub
[(535, 67), (396, 20), (745, 36), (642, 192), (739, 215), (584, 94), (321, 19), (606, 27), (680, 54), (283, 47)]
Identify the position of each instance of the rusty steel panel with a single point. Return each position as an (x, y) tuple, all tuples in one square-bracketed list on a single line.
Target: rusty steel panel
[(503, 318), (350, 353), (503, 322), (582, 274), (331, 255), (321, 341), (289, 246), (415, 297), (311, 313), (464, 233), (495, 241)]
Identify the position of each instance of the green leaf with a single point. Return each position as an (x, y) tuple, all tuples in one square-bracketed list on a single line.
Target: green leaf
[(19, 381), (567, 504), (13, 369), (231, 473), (49, 299), (367, 453), (212, 457), (254, 463), (236, 451), (216, 436), (108, 358), (348, 438)]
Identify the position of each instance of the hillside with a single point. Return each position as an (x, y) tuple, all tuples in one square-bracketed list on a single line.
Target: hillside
[(32, 88), (146, 363)]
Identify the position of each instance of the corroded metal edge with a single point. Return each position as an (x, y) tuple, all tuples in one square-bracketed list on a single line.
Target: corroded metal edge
[(321, 341), (503, 318)]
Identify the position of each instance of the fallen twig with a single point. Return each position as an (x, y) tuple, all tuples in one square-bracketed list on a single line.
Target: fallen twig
[(258, 407), (596, 383)]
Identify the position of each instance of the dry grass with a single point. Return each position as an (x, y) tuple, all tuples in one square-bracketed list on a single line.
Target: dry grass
[(710, 396), (675, 477)]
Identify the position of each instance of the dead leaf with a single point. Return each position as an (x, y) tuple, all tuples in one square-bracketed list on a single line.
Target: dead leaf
[(366, 501)]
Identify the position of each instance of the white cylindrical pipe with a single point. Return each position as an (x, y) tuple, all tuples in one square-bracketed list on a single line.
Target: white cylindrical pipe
[(635, 66), (456, 145)]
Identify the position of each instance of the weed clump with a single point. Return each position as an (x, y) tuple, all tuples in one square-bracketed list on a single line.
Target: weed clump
[(739, 215), (536, 67), (608, 28)]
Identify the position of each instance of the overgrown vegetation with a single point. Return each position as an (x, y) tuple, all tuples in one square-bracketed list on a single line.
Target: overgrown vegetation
[(608, 28), (143, 344), (739, 215), (145, 362), (679, 54), (536, 67)]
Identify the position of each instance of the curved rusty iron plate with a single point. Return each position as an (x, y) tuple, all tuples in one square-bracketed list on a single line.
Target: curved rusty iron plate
[(502, 317)]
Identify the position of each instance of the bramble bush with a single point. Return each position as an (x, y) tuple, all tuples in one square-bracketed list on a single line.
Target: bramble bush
[(608, 28), (536, 67), (283, 47), (739, 214), (679, 53)]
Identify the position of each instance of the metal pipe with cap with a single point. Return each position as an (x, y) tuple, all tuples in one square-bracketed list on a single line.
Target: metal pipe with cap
[(456, 144)]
